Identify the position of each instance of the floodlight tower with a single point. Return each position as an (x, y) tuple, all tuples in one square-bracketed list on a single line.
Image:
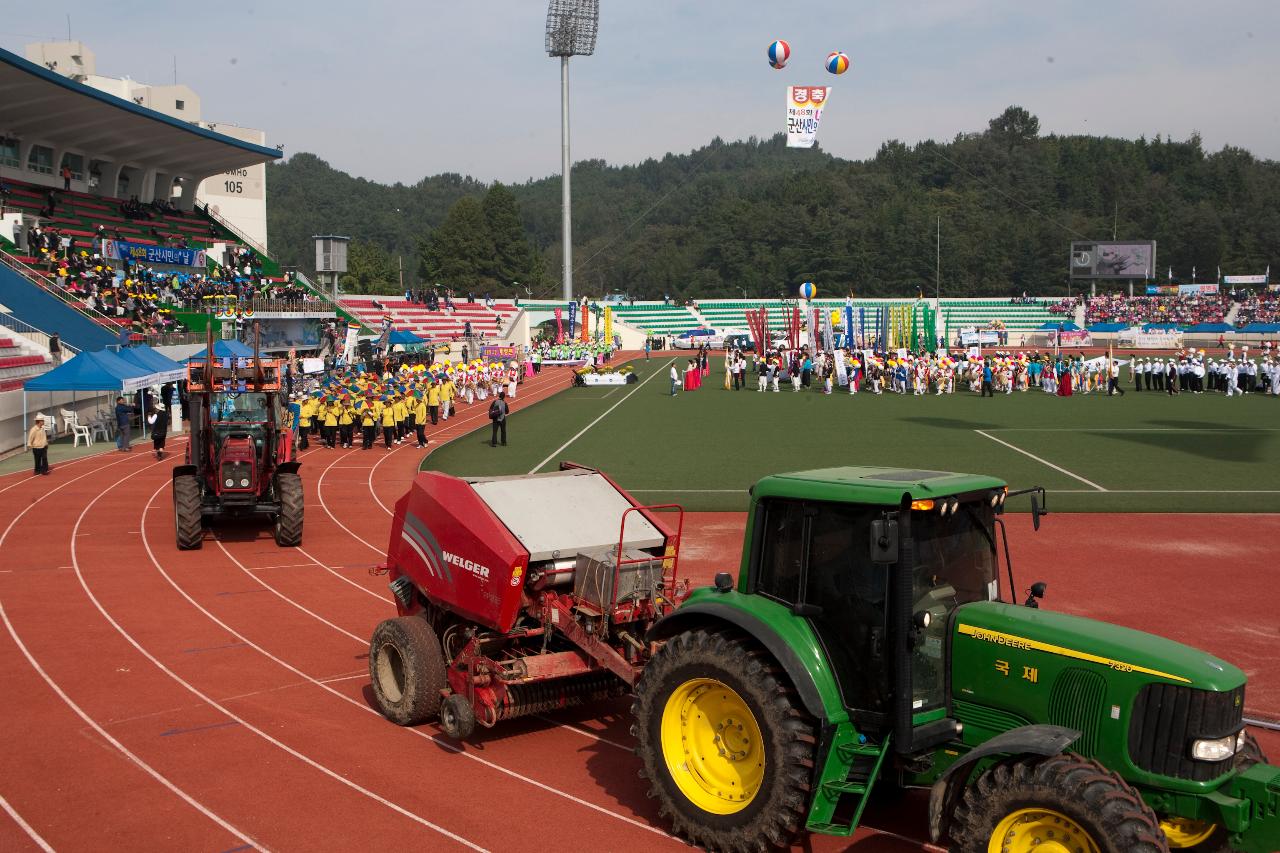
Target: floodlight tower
[(571, 31)]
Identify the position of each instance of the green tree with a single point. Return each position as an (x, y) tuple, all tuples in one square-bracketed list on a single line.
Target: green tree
[(369, 269), (514, 259), (459, 254)]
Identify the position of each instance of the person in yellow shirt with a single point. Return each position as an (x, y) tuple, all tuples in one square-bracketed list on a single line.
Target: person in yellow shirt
[(409, 427), (447, 391), (420, 417), (330, 432), (388, 422), (368, 423), (399, 414), (306, 412), (433, 402), (346, 421), (38, 441)]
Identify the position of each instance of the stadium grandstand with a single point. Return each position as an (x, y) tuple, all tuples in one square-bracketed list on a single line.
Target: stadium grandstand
[(125, 219), (453, 322)]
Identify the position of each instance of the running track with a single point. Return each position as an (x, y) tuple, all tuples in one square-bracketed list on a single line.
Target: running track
[(218, 700)]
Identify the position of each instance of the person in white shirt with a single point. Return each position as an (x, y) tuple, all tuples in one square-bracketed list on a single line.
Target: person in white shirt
[(675, 379)]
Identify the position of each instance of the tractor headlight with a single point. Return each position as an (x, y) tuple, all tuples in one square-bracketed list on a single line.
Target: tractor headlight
[(244, 484), (230, 483), (1218, 749), (1241, 740)]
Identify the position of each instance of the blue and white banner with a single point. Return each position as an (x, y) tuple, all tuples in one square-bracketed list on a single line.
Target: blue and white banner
[(119, 250)]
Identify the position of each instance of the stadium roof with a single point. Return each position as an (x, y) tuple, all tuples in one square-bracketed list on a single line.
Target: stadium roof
[(38, 103)]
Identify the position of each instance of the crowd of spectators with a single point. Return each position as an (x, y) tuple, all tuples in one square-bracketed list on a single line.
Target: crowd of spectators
[(1064, 306), (1260, 307), (1136, 310), (131, 208)]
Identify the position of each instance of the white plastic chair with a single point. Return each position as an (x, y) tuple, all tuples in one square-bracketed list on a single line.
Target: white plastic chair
[(71, 421), (68, 420), (100, 426)]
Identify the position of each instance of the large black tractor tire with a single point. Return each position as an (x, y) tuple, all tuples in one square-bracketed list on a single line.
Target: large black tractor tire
[(407, 670), (1185, 835), (726, 745), (289, 520), (1064, 798), (187, 522)]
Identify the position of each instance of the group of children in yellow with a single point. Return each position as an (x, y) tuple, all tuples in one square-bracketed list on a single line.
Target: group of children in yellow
[(398, 403)]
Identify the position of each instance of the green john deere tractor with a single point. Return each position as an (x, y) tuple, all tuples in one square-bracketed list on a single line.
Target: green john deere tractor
[(868, 643)]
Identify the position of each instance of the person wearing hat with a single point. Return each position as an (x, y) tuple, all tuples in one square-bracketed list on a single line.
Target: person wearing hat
[(388, 417), (38, 441), (368, 423), (346, 421), (159, 423), (418, 417)]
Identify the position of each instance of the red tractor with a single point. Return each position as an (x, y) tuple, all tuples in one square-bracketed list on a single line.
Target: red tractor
[(240, 458), (520, 595)]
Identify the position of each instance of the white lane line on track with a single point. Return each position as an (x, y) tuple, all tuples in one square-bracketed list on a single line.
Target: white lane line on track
[(26, 827), (346, 580), (70, 703), (213, 703), (583, 431), (1041, 461), (441, 742)]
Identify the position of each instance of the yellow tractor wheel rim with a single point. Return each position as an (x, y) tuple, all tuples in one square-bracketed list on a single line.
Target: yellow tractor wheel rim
[(712, 745), (1183, 832), (1040, 831)]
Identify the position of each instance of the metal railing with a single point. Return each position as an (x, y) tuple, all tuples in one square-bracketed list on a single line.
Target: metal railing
[(47, 284), (240, 235), (39, 337), (293, 306)]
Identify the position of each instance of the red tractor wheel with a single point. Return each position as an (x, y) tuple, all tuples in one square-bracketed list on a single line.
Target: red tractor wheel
[(288, 531), (457, 717), (188, 524)]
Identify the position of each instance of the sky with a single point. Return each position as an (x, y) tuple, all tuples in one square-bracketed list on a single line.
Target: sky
[(395, 91)]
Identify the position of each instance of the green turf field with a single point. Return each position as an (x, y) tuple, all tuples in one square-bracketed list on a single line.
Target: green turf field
[(1143, 452)]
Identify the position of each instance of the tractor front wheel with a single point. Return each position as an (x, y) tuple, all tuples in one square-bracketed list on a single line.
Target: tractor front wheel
[(727, 747), (1200, 836), (457, 717), (187, 522), (289, 520), (407, 670), (1063, 802)]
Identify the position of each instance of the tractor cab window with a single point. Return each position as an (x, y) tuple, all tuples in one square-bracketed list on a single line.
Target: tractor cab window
[(816, 553), (249, 407), (955, 564), (782, 550), (852, 593)]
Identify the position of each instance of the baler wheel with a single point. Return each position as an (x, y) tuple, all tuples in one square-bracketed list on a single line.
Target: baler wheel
[(1201, 837), (725, 742), (1067, 799), (457, 717), (407, 670), (288, 531), (187, 522)]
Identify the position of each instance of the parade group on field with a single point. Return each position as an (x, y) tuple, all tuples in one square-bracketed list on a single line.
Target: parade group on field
[(902, 372)]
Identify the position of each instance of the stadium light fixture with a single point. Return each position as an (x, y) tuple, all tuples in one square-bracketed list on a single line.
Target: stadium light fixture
[(571, 31)]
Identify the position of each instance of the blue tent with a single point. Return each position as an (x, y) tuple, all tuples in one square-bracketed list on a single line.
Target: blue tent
[(1053, 327), (1260, 328), (165, 369), (225, 349), (1108, 327), (404, 338), (92, 371)]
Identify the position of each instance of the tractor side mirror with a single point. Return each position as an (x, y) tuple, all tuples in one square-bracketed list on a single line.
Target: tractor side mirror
[(1036, 512), (884, 540), (1036, 592)]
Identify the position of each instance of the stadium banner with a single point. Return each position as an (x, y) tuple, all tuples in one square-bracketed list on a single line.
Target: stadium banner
[(573, 320), (608, 325), (313, 365), (1138, 339), (1108, 259), (501, 354), (119, 250), (1193, 289), (349, 345), (804, 111), (1162, 290), (1244, 279), (842, 372), (1070, 338), (604, 379), (972, 338), (295, 333)]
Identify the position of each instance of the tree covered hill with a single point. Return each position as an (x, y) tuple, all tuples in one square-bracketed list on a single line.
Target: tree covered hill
[(754, 218)]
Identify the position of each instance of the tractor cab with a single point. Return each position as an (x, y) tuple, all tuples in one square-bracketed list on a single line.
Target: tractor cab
[(879, 574)]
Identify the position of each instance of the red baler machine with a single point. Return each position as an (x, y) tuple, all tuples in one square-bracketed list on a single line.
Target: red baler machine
[(520, 595)]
